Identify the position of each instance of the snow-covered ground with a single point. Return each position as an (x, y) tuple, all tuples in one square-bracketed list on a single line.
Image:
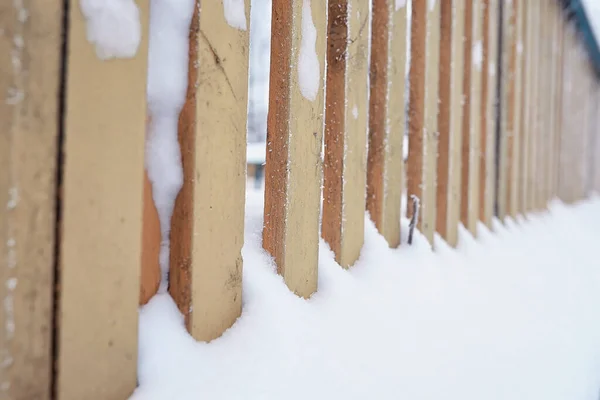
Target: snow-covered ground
[(513, 315)]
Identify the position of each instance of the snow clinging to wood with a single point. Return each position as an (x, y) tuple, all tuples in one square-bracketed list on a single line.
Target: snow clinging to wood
[(478, 54), (400, 4), (235, 13), (309, 72), (167, 85), (113, 26)]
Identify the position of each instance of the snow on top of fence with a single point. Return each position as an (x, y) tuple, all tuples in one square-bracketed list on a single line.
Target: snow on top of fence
[(308, 61), (113, 26), (235, 13)]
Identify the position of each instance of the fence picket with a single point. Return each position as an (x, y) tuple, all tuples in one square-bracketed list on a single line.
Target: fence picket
[(346, 128), (207, 227), (294, 141), (471, 116), (101, 218), (423, 111), (456, 118), (386, 117), (443, 195), (29, 111), (487, 167)]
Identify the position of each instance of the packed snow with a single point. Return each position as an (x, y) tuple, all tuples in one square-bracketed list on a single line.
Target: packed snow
[(113, 26), (167, 86), (511, 315)]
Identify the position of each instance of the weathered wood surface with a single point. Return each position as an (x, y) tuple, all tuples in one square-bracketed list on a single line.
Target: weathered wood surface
[(207, 227), (423, 111), (30, 72), (294, 141), (346, 129), (101, 218), (386, 118), (487, 165), (471, 117)]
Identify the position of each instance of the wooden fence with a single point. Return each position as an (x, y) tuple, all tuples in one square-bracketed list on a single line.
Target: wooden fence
[(503, 116)]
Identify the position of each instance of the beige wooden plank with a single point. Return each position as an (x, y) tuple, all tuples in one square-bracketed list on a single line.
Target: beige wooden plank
[(346, 129), (513, 108), (100, 250), (507, 107), (542, 96), (565, 112), (443, 196), (524, 98), (456, 118), (466, 142), (517, 169), (569, 142), (558, 105), (386, 118), (487, 176), (30, 49), (207, 227), (424, 79), (545, 96), (472, 121), (294, 140), (553, 95), (432, 69), (534, 109)]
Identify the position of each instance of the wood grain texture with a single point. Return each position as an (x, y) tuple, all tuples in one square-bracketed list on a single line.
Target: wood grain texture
[(552, 96), (432, 71), (465, 199), (444, 117), (386, 118), (509, 127), (528, 110), (456, 118), (535, 106), (151, 276), (524, 61), (487, 165), (30, 51), (514, 188), (471, 145), (533, 15), (293, 171), (557, 109), (543, 117), (346, 110), (417, 106), (207, 228), (101, 226)]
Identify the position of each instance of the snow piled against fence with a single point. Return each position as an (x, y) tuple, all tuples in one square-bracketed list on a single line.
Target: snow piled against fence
[(513, 315)]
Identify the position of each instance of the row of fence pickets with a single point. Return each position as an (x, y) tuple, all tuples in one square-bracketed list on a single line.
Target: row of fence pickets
[(502, 117)]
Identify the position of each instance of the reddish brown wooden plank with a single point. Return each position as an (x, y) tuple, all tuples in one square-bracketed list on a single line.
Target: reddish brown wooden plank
[(294, 141), (345, 129)]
